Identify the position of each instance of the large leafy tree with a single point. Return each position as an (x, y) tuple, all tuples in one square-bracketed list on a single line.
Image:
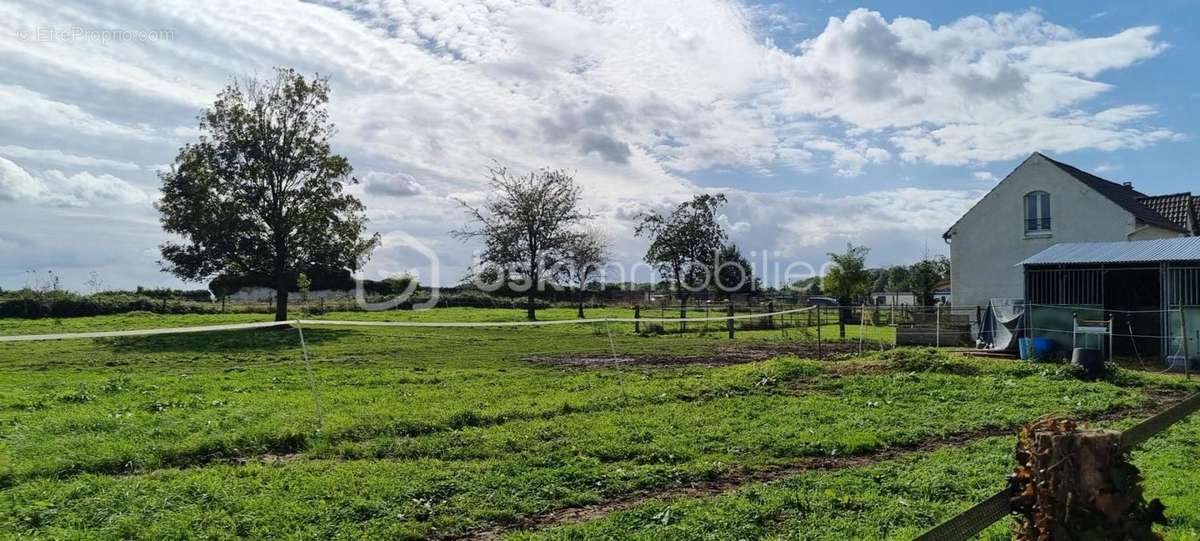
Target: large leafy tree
[(527, 224), (684, 244), (847, 280), (260, 193)]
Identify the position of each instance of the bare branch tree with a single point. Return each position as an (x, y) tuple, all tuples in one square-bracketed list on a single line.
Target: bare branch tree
[(526, 225), (587, 251)]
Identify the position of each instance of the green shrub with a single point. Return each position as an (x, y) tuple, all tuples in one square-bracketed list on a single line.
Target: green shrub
[(58, 304), (927, 360)]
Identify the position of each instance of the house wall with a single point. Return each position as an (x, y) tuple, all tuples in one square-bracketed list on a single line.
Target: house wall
[(264, 294), (894, 298), (990, 239)]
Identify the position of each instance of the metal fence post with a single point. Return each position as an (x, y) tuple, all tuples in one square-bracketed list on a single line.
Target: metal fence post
[(1030, 328), (937, 318), (637, 317), (1187, 372)]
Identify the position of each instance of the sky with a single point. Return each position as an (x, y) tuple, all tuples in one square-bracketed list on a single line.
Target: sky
[(824, 123)]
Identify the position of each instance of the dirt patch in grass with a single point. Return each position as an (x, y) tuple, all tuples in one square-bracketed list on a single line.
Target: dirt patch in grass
[(1159, 400), (725, 355)]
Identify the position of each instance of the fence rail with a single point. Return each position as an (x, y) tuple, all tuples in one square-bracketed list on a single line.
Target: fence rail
[(971, 522)]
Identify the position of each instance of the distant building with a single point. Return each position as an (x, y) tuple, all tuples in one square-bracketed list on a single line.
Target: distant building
[(894, 298)]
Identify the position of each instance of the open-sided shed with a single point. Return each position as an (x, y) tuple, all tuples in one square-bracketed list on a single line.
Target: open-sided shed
[(1150, 288)]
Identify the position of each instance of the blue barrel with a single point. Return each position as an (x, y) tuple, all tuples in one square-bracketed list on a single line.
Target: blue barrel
[(1042, 348)]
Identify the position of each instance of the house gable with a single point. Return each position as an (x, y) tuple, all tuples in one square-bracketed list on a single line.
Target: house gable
[(1001, 209), (991, 237), (1173, 214)]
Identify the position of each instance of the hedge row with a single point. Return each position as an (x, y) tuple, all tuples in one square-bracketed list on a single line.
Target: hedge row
[(64, 304)]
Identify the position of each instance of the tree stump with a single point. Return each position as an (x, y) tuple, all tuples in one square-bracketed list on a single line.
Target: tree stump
[(1077, 484)]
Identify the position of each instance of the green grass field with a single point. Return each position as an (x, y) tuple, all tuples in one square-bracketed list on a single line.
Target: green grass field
[(441, 432)]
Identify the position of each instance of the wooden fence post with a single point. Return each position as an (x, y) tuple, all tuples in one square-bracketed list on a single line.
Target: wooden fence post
[(819, 322), (729, 322), (770, 319), (637, 316)]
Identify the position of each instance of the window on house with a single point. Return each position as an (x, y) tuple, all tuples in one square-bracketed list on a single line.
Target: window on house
[(1037, 212)]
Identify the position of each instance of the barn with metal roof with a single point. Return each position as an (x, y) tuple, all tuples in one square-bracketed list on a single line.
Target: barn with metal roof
[(1150, 289)]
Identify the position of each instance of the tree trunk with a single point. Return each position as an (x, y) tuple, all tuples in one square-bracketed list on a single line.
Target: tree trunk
[(683, 313), (530, 307), (842, 320), (581, 303), (281, 297)]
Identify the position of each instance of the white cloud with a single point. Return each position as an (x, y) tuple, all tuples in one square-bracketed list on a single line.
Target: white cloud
[(393, 184), (1089, 57), (985, 176), (16, 184), (962, 144), (970, 91), (26, 107), (58, 157), (55, 188), (849, 160), (636, 98)]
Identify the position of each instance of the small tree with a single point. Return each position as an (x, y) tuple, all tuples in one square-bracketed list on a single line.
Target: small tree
[(732, 272), (897, 278), (587, 251), (303, 284), (924, 276), (398, 284), (261, 193), (847, 280), (684, 244), (526, 224)]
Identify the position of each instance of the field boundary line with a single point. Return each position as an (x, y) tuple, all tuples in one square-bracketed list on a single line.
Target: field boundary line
[(367, 323), (143, 332)]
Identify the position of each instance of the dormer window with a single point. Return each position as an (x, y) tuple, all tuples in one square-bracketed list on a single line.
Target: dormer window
[(1037, 212)]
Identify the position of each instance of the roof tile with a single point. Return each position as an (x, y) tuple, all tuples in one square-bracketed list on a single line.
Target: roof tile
[(1124, 196)]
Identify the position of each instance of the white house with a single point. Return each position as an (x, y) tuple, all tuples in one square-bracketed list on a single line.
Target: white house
[(1045, 202)]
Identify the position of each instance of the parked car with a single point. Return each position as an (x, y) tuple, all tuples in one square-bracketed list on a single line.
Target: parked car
[(822, 301)]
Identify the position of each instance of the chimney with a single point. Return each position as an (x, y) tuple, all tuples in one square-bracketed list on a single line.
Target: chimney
[(1127, 184)]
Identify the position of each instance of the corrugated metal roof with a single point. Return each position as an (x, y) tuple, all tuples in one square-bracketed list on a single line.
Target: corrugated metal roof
[(1139, 251)]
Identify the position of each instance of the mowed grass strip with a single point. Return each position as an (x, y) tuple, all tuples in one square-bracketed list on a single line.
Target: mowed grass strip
[(897, 499)]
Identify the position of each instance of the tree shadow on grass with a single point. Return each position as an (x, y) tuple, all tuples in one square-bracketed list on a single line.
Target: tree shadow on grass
[(271, 339)]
